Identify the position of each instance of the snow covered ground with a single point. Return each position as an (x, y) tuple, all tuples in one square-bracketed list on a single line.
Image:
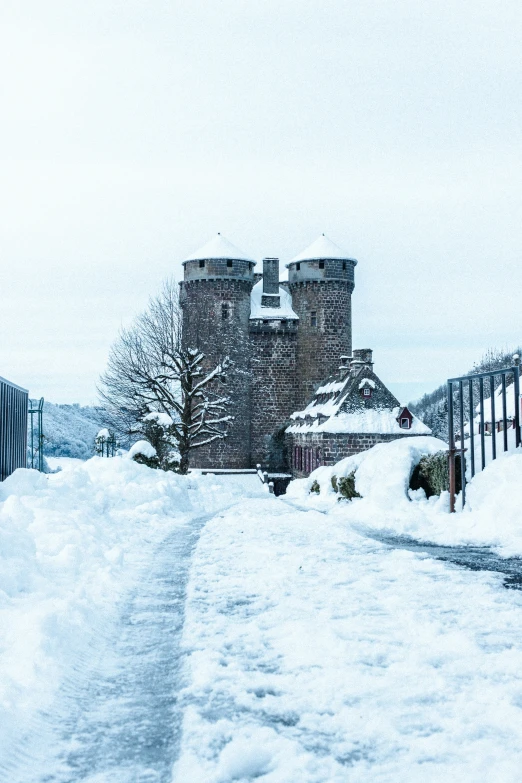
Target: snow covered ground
[(198, 630), (76, 551), (319, 655)]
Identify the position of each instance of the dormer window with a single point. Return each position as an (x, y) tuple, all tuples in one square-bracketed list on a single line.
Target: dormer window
[(367, 392), (405, 419), (201, 264)]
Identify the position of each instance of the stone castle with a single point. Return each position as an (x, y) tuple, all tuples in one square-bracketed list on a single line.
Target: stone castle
[(285, 338)]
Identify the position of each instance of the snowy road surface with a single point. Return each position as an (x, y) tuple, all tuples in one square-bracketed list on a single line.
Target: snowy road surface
[(267, 642), (115, 719)]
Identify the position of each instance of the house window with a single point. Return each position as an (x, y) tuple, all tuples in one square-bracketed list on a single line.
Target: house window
[(344, 266), (297, 267), (321, 264), (405, 424), (201, 264), (313, 318), (229, 263), (367, 392), (225, 311)]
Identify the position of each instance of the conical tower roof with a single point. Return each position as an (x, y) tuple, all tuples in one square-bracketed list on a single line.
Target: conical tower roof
[(219, 248), (320, 249)]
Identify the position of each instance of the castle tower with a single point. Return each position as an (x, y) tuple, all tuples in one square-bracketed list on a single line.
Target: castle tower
[(273, 338), (321, 281), (215, 297)]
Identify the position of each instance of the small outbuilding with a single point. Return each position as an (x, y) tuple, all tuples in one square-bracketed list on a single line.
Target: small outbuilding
[(347, 414)]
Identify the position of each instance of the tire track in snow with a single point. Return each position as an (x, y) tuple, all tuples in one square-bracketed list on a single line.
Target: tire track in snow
[(115, 719)]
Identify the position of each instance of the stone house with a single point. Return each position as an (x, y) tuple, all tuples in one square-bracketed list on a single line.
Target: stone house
[(349, 413)]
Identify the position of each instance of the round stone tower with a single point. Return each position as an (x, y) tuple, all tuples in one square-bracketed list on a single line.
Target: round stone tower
[(215, 297), (321, 281)]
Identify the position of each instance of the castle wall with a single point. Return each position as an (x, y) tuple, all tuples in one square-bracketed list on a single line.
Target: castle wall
[(273, 362), (321, 344), (216, 321)]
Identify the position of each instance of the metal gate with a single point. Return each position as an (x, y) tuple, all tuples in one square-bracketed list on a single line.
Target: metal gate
[(13, 428), (488, 402)]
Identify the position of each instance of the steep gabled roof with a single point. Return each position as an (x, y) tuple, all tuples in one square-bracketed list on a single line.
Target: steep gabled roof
[(320, 249), (219, 248), (339, 407)]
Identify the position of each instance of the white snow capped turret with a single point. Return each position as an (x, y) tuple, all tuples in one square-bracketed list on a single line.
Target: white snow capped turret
[(219, 248), (322, 248)]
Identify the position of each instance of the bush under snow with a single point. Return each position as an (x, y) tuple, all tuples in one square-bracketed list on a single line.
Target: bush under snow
[(382, 475)]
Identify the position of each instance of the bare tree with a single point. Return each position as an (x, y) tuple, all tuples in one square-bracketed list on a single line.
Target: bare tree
[(149, 369)]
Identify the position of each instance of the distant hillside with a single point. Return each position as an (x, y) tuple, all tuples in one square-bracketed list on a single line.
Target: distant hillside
[(432, 409), (70, 430)]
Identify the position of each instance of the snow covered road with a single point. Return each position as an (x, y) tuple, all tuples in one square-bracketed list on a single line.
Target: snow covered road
[(321, 656), (115, 717), (265, 641)]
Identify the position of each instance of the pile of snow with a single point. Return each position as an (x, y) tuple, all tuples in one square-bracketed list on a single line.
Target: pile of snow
[(491, 515), (143, 448), (71, 547)]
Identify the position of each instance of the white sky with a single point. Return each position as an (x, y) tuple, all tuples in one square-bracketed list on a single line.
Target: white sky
[(131, 131)]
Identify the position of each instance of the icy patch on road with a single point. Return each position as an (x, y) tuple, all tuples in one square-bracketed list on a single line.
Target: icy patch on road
[(319, 656)]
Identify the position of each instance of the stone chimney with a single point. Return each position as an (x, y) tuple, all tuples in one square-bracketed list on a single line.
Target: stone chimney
[(270, 297), (362, 357)]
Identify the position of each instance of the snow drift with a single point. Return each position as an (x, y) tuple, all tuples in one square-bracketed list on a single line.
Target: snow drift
[(382, 474), (71, 546)]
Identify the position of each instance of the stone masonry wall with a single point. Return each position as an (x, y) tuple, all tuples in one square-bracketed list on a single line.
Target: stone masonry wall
[(216, 321), (320, 346), (273, 361), (328, 448)]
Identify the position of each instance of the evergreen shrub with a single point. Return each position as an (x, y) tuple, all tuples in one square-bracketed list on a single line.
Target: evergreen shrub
[(345, 486), (432, 474)]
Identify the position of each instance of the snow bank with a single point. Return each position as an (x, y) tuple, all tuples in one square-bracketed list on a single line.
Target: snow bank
[(71, 545), (491, 515), (382, 473)]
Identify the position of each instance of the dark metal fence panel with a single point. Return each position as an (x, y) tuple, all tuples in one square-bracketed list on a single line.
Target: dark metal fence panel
[(13, 428), (473, 396)]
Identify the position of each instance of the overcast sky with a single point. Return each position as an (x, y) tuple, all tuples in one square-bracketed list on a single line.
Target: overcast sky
[(131, 131)]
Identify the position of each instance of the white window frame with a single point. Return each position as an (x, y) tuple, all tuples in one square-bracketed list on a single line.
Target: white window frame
[(405, 423)]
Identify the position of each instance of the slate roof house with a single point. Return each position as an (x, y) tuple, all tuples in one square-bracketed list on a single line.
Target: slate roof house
[(285, 337), (349, 413)]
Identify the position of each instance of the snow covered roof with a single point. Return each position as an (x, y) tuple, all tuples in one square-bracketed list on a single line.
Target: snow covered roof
[(258, 311), (322, 248), (219, 248), (339, 407), (383, 421)]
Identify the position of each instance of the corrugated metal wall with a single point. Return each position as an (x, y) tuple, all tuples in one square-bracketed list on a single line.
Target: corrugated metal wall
[(13, 428)]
